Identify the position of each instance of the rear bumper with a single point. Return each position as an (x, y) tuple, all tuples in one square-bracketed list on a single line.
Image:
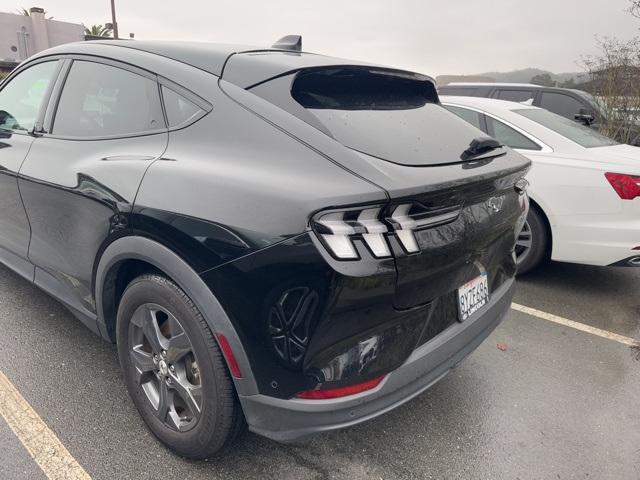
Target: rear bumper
[(597, 239), (288, 420)]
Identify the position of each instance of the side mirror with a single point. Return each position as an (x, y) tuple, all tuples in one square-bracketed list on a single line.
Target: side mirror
[(584, 117)]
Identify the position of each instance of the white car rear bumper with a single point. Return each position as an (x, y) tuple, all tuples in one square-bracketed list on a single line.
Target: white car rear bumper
[(597, 239)]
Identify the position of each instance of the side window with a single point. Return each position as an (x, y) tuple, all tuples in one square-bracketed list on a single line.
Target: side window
[(461, 92), (468, 115), (100, 101), (515, 95), (508, 136), (20, 99), (562, 104), (180, 111)]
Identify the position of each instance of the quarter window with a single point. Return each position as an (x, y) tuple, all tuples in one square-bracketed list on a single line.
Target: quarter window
[(21, 98), (104, 101), (180, 111), (508, 136)]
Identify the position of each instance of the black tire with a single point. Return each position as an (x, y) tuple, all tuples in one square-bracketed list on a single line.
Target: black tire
[(538, 250), (218, 416)]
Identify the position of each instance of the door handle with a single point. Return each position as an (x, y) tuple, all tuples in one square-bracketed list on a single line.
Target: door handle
[(128, 158)]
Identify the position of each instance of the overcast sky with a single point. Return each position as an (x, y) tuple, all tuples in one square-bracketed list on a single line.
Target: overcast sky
[(433, 37)]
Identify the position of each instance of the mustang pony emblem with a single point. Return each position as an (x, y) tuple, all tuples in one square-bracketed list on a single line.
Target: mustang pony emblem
[(495, 203)]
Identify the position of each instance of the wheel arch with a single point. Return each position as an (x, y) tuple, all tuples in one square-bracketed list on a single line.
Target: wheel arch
[(143, 255), (533, 203)]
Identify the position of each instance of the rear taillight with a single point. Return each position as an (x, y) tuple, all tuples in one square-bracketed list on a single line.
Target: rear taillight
[(626, 186), (327, 393), (374, 225), (338, 229)]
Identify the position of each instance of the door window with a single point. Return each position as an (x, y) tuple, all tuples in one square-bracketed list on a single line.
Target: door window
[(508, 136), (21, 98), (104, 101), (515, 95), (562, 104)]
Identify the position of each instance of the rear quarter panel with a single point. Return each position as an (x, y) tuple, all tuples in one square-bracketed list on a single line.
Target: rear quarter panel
[(586, 216), (247, 179)]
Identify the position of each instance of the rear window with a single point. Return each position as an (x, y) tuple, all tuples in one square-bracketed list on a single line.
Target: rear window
[(389, 114), (515, 95), (585, 136)]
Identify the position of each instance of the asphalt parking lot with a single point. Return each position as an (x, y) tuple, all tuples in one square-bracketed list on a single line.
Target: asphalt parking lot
[(557, 403)]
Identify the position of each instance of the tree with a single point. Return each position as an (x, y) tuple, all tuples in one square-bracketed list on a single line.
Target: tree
[(27, 13), (614, 80), (614, 76), (97, 31), (543, 79)]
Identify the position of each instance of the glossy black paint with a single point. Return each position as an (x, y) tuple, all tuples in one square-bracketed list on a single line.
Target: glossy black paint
[(78, 195), (14, 226), (232, 196)]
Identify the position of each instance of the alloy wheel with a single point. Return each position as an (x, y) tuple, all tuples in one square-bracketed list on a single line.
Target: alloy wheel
[(524, 243), (165, 365)]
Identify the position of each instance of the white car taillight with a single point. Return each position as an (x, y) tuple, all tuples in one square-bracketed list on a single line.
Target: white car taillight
[(626, 186)]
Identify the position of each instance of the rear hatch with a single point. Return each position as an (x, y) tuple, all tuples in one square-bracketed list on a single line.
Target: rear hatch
[(460, 204)]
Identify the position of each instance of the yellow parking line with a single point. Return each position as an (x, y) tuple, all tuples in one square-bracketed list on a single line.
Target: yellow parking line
[(44, 447), (576, 325)]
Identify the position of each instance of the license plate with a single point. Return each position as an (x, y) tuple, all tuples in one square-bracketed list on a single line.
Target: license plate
[(472, 296)]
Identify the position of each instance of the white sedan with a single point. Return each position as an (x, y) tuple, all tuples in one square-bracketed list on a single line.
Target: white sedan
[(584, 187)]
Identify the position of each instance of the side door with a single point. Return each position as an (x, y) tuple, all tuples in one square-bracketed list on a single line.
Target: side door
[(21, 100), (103, 128)]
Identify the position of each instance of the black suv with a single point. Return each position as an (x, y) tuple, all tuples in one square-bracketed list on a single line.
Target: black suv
[(567, 102), (273, 238)]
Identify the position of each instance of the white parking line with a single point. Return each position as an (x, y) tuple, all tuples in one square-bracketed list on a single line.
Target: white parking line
[(576, 325), (42, 444)]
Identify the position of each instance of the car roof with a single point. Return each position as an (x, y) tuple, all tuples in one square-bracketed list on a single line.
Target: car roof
[(243, 65), (491, 84), (491, 105), (513, 85), (209, 57)]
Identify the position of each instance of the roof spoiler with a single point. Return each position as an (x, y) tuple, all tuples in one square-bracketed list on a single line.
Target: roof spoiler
[(289, 42)]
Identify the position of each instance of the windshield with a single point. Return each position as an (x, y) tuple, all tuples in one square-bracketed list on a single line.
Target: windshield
[(584, 136), (388, 114)]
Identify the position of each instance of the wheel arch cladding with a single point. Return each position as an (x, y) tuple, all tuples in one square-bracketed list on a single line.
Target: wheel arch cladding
[(148, 254)]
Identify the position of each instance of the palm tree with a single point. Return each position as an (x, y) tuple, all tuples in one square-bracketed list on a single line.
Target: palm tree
[(27, 13), (98, 31)]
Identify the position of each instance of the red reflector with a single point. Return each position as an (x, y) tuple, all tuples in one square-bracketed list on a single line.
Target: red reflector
[(228, 354), (626, 186), (636, 248), (340, 391)]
